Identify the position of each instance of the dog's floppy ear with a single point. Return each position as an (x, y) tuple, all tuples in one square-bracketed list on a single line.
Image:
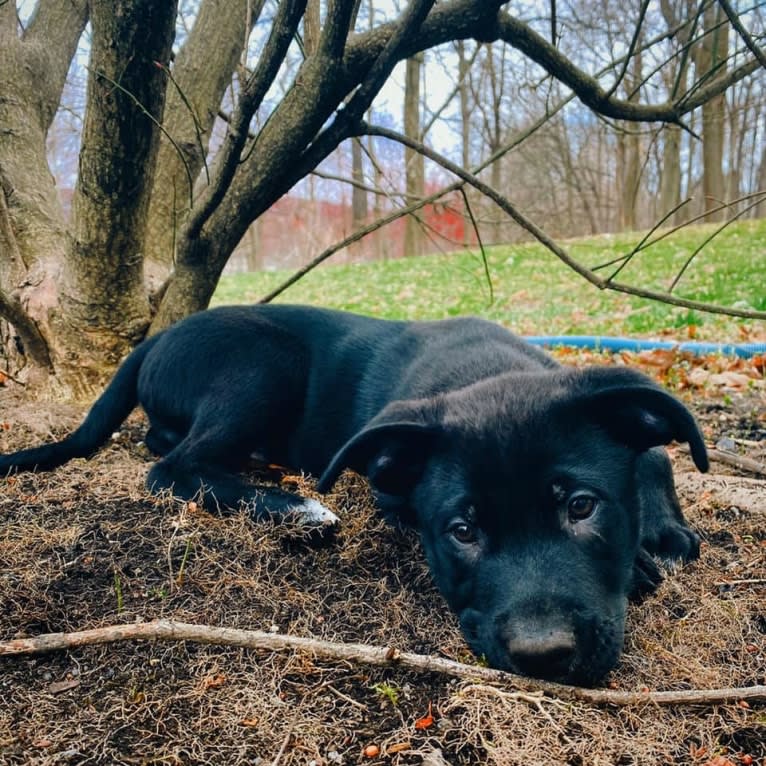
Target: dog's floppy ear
[(639, 413), (391, 455)]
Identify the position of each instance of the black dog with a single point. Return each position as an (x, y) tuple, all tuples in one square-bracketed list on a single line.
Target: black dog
[(540, 492)]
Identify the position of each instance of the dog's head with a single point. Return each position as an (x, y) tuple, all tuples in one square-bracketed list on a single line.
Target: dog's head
[(523, 489)]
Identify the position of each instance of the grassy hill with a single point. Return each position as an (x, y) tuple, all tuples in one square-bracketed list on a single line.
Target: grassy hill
[(534, 293)]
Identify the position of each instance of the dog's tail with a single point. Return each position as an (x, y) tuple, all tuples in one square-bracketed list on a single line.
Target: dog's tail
[(106, 415)]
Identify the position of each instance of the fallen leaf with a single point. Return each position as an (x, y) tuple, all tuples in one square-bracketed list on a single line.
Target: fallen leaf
[(63, 686), (249, 722), (214, 682), (730, 379), (426, 721)]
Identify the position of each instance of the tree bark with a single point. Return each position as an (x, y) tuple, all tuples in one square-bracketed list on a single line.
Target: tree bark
[(104, 305), (710, 60), (193, 100), (33, 234)]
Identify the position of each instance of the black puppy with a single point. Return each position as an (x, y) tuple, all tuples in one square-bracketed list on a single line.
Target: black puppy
[(540, 492)]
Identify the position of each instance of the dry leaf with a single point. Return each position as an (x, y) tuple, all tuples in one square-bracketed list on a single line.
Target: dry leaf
[(426, 721), (214, 682), (63, 686)]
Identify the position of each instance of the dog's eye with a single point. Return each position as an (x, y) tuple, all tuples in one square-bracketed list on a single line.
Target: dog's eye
[(581, 507), (463, 533)]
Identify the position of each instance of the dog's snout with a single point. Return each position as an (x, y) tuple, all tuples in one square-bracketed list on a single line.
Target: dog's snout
[(543, 651)]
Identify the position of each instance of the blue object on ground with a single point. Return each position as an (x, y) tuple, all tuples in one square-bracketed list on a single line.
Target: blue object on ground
[(606, 343)]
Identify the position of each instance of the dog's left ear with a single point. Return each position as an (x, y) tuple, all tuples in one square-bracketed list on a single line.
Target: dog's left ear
[(639, 413), (391, 455)]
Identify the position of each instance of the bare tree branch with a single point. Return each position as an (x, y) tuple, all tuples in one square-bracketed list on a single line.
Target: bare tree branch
[(169, 630), (336, 28), (275, 50), (346, 118), (590, 92), (742, 32), (410, 209), (631, 49), (549, 243)]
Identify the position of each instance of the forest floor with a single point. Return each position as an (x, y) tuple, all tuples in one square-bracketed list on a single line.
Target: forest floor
[(85, 546)]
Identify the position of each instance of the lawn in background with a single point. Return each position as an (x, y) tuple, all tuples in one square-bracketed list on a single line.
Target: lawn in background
[(534, 293)]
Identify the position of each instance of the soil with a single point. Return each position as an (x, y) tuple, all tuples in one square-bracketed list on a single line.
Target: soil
[(85, 546)]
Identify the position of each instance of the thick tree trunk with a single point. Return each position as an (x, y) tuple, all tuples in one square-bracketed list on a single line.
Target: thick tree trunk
[(105, 309), (76, 297), (33, 234)]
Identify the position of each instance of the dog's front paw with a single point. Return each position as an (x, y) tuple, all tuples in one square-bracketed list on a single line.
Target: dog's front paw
[(646, 575), (312, 513), (673, 543)]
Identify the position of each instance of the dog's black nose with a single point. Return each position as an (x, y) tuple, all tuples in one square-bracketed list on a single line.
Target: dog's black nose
[(543, 653)]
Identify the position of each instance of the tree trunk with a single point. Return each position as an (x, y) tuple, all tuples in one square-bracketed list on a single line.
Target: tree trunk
[(710, 56), (631, 141), (105, 309), (193, 101), (670, 183), (465, 122), (358, 194), (33, 235), (413, 161)]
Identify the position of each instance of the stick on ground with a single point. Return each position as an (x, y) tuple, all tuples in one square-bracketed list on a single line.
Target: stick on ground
[(168, 630)]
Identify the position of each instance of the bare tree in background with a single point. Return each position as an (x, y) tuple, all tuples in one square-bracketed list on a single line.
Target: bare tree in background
[(414, 164), (161, 201)]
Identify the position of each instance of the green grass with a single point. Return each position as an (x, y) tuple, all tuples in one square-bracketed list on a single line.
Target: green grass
[(534, 293)]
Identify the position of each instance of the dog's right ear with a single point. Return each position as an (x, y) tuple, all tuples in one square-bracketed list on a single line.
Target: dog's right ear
[(391, 455)]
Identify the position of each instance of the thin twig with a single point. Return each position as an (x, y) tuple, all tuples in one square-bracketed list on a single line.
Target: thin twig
[(631, 49), (168, 630), (706, 241), (6, 374), (623, 259), (283, 747), (482, 249), (195, 119)]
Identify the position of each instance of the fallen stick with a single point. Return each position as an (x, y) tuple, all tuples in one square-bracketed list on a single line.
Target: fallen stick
[(168, 630), (730, 458)]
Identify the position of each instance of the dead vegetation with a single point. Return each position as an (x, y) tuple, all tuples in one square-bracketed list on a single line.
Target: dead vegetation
[(84, 547)]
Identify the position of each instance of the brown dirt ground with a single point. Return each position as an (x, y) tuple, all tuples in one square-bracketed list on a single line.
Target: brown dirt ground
[(84, 547)]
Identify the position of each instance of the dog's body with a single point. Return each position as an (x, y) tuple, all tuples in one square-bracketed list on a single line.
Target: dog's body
[(540, 492)]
